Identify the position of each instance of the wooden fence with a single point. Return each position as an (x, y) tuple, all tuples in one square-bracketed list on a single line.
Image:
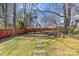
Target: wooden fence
[(9, 32)]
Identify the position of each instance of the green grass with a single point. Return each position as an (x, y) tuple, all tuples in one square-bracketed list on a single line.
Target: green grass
[(63, 47), (17, 46), (24, 46)]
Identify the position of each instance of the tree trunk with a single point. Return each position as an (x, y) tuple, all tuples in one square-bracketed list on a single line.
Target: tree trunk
[(25, 19), (5, 15), (4, 12), (69, 13), (14, 19), (67, 17)]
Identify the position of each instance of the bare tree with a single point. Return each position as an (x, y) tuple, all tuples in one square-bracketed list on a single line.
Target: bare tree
[(14, 18), (5, 18), (25, 15), (4, 13), (29, 10), (66, 15)]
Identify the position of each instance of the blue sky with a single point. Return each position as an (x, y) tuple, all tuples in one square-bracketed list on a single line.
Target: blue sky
[(57, 7)]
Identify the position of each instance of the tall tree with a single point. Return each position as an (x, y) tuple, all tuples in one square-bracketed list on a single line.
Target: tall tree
[(29, 13), (67, 16), (5, 18), (14, 18), (25, 15), (4, 13)]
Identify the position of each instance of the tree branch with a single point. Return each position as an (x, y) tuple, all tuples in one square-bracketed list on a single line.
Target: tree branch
[(51, 12)]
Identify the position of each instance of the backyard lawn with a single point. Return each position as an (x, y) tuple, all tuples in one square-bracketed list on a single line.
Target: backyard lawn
[(25, 46), (17, 46)]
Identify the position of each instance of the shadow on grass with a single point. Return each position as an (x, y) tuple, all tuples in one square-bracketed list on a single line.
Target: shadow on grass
[(5, 39)]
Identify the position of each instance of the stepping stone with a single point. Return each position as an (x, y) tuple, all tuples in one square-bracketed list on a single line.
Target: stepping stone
[(39, 51), (39, 54), (40, 45)]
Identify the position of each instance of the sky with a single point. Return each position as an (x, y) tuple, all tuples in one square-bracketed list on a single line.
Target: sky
[(57, 7)]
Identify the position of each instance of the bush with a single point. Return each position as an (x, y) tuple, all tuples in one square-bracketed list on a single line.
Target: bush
[(58, 29), (76, 31), (71, 29)]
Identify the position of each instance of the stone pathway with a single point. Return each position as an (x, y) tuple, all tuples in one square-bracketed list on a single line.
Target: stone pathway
[(39, 48)]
